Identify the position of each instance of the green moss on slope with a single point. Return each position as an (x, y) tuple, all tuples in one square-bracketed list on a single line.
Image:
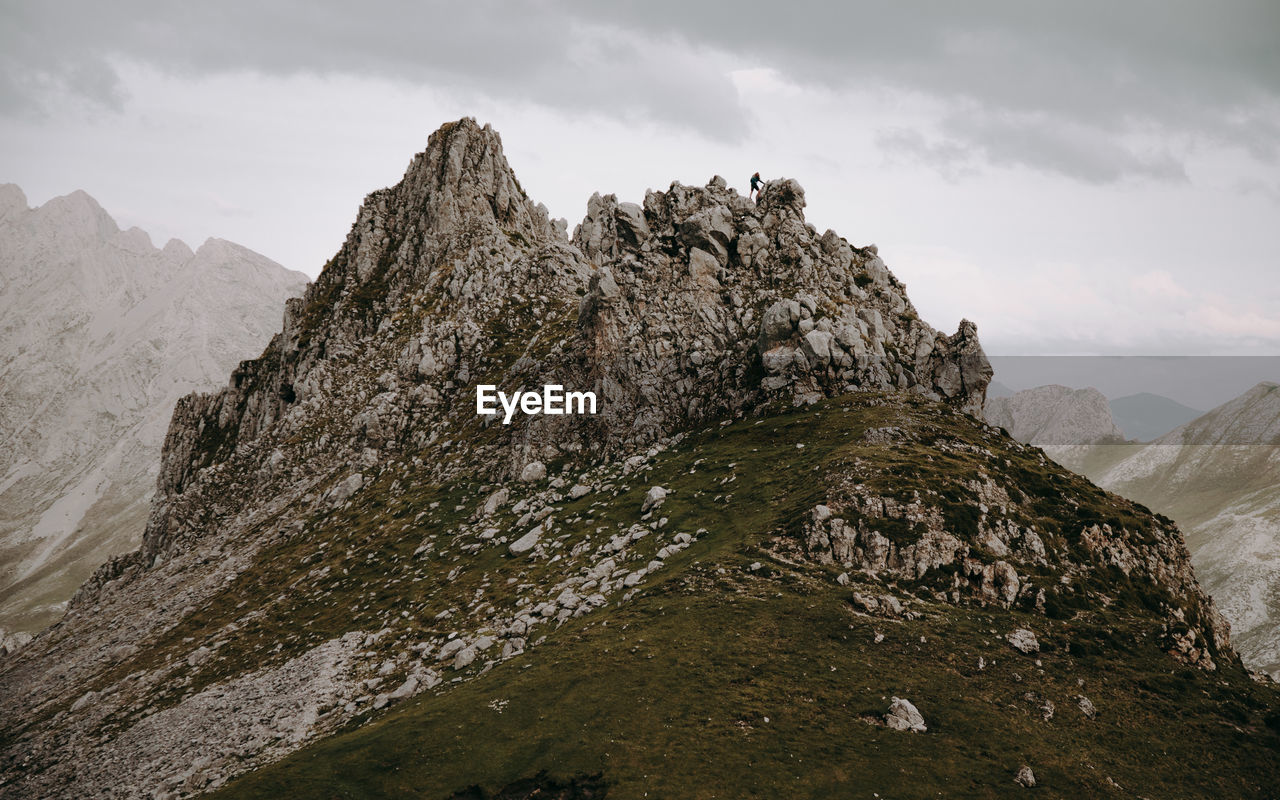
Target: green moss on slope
[(719, 680)]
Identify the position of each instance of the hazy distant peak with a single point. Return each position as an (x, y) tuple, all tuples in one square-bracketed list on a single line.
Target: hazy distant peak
[(1055, 415), (137, 240), (78, 212), (178, 250), (1251, 418), (215, 248), (1145, 416), (12, 199)]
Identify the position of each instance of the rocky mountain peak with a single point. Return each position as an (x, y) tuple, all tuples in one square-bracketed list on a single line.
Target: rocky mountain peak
[(77, 213), (463, 179), (12, 199), (698, 305)]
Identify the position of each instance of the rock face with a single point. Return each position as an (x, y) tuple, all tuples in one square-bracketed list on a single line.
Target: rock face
[(340, 518), (681, 311), (100, 334)]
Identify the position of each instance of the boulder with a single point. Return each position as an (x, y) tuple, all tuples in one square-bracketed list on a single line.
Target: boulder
[(1023, 640), (710, 230), (778, 323), (450, 649), (903, 716), (1025, 776), (632, 227), (533, 471), (527, 542), (406, 689), (654, 498), (494, 501), (1086, 706), (816, 345)]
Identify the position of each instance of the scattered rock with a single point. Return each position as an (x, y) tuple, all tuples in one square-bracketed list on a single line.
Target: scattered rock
[(653, 499), (84, 700), (527, 542), (450, 649), (1025, 776), (347, 487), (405, 689), (1086, 706), (1023, 640), (903, 716), (495, 501), (533, 471), (199, 656)]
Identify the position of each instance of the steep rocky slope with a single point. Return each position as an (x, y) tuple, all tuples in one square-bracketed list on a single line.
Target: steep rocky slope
[(784, 475), (100, 334), (1218, 477)]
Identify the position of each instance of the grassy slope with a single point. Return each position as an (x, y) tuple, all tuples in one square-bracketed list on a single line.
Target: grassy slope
[(668, 694)]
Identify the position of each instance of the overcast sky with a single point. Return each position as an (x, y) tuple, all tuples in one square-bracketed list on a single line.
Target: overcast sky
[(1078, 178)]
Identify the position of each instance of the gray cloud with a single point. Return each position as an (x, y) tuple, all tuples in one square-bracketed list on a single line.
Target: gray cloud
[(531, 52), (1084, 71), (1055, 87)]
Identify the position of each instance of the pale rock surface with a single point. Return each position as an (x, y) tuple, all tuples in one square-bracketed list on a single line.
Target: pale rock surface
[(100, 334), (1025, 776), (903, 716), (1023, 640)]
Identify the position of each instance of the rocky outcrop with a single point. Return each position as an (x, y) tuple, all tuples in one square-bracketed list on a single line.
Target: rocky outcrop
[(903, 716), (699, 305), (684, 308)]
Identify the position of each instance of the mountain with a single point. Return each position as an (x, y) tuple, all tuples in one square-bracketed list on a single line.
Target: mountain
[(1055, 415), (1145, 416), (100, 334), (782, 558)]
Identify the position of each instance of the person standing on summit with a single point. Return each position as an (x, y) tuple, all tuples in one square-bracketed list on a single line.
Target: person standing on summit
[(757, 186)]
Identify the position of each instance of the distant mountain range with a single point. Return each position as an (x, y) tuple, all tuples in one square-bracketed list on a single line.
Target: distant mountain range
[(100, 334), (1217, 476)]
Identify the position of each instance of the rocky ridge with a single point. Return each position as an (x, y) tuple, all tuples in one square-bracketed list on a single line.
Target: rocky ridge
[(340, 511)]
